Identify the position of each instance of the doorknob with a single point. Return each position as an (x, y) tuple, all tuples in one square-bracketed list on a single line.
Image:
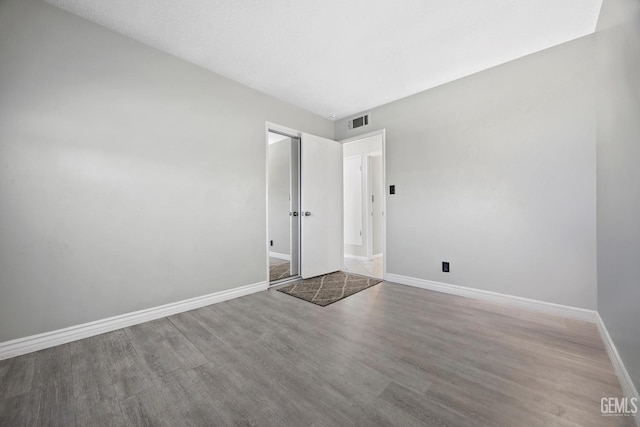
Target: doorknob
[(294, 213), (307, 213)]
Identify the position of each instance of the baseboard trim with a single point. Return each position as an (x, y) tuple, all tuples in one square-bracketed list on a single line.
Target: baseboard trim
[(628, 388), (33, 343), (356, 257), (280, 256), (547, 307)]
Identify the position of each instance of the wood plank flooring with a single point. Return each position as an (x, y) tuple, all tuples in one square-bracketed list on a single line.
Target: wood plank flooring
[(389, 355)]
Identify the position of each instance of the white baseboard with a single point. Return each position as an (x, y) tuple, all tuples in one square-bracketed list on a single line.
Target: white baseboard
[(628, 388), (547, 307), (356, 257), (280, 256), (33, 343)]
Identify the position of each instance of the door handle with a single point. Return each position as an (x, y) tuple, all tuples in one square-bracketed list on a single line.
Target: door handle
[(294, 213), (307, 213)]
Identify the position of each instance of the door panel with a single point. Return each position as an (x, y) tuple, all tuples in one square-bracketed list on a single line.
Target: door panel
[(321, 202), (377, 193), (295, 207)]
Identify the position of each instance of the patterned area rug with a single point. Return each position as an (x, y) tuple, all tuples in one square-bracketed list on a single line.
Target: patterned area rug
[(327, 289), (280, 271)]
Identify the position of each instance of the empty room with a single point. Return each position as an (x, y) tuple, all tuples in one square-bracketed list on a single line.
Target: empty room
[(332, 213)]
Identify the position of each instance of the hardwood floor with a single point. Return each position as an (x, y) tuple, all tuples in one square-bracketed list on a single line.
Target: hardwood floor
[(389, 355)]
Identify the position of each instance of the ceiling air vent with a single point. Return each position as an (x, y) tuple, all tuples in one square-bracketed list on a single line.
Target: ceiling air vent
[(358, 122)]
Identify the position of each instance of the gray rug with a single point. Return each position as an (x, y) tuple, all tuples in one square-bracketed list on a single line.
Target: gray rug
[(327, 289), (280, 271)]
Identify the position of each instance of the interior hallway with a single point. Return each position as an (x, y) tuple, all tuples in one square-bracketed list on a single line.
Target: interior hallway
[(371, 267)]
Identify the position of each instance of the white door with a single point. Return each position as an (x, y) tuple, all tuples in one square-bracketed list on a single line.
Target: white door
[(321, 206)]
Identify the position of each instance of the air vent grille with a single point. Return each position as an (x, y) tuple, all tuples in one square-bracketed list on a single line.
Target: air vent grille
[(358, 122)]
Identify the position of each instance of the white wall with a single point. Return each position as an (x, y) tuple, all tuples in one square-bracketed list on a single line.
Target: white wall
[(353, 184), (128, 178), (495, 173), (279, 155), (361, 148), (618, 53)]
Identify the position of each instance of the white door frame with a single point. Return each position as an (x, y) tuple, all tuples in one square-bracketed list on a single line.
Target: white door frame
[(381, 132)]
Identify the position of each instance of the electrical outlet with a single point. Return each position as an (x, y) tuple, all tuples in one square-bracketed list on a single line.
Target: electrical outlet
[(445, 267)]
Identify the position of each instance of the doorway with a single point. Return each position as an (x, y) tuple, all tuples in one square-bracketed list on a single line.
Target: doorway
[(304, 205), (364, 204), (283, 168)]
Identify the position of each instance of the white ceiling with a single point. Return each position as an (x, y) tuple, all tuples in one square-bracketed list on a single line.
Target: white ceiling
[(337, 57)]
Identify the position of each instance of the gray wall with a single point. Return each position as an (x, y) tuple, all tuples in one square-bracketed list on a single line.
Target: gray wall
[(495, 173), (618, 54), (279, 155), (128, 178)]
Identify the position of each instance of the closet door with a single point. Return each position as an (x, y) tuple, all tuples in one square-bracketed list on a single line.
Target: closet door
[(321, 219)]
